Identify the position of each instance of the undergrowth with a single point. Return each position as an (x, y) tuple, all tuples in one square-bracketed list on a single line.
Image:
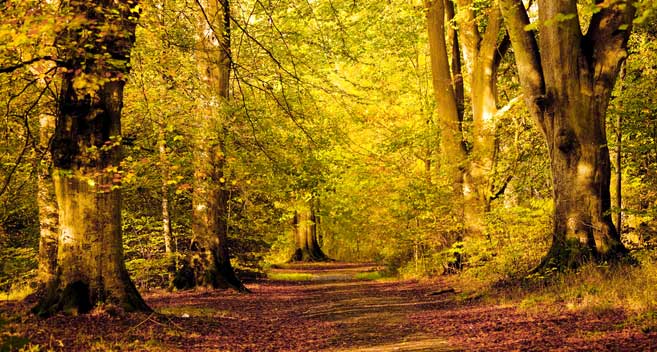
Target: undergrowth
[(592, 288)]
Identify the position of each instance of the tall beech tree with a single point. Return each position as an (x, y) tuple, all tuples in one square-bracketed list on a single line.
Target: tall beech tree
[(567, 77), (470, 168), (210, 263), (94, 51), (446, 91)]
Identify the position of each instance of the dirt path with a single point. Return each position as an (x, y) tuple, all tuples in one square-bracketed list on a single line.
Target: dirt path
[(331, 309)]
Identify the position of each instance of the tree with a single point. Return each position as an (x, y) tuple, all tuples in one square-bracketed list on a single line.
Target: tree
[(94, 51), (47, 200), (210, 264), (305, 234), (450, 116), (567, 77), (470, 154)]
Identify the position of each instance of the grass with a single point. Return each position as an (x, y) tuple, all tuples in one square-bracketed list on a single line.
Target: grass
[(600, 287), (369, 275), (591, 288), (290, 276), (17, 293)]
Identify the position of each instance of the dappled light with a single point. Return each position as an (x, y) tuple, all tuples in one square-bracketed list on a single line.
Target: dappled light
[(328, 175)]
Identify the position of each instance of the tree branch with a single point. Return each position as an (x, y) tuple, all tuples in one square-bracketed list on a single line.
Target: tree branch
[(606, 41), (488, 48), (502, 189), (469, 32), (501, 50), (12, 68), (525, 49)]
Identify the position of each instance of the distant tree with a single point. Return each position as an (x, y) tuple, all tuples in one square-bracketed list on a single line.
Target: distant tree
[(305, 234)]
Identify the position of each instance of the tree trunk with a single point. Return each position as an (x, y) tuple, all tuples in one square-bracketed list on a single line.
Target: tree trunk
[(166, 217), (47, 201), (470, 170), (46, 198), (86, 156), (567, 85), (619, 159), (90, 262), (210, 264), (482, 53), (581, 176), (449, 121), (305, 230)]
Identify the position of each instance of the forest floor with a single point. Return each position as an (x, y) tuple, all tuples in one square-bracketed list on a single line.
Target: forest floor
[(328, 307)]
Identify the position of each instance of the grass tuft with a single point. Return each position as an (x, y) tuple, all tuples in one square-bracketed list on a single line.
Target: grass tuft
[(369, 275), (290, 276), (17, 293)]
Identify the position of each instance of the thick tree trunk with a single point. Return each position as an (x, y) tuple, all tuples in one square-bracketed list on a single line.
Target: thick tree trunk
[(581, 175), (86, 154), (305, 230), (210, 261), (567, 86), (90, 262), (210, 264)]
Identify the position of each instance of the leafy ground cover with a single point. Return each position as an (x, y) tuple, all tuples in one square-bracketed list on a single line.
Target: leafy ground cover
[(337, 310)]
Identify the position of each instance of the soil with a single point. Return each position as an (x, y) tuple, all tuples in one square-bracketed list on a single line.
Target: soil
[(330, 310)]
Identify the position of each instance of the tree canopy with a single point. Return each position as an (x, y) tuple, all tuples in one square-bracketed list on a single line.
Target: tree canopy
[(200, 143)]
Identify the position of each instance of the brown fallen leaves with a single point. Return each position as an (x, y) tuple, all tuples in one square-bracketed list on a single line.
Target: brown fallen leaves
[(341, 315)]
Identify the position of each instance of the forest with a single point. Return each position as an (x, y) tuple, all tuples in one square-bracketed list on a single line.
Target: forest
[(328, 175)]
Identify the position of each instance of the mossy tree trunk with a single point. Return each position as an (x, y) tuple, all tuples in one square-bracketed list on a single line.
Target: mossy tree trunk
[(210, 262), (567, 78), (86, 154)]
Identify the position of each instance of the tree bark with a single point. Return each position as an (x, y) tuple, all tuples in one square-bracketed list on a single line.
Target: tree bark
[(166, 216), (567, 86), (210, 263), (480, 50), (619, 159), (46, 198), (86, 154), (47, 201), (469, 169), (449, 120)]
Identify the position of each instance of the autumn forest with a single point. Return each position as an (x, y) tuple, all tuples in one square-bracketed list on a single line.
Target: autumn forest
[(328, 175)]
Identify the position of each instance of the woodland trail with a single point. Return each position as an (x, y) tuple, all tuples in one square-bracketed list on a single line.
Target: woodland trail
[(329, 308)]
